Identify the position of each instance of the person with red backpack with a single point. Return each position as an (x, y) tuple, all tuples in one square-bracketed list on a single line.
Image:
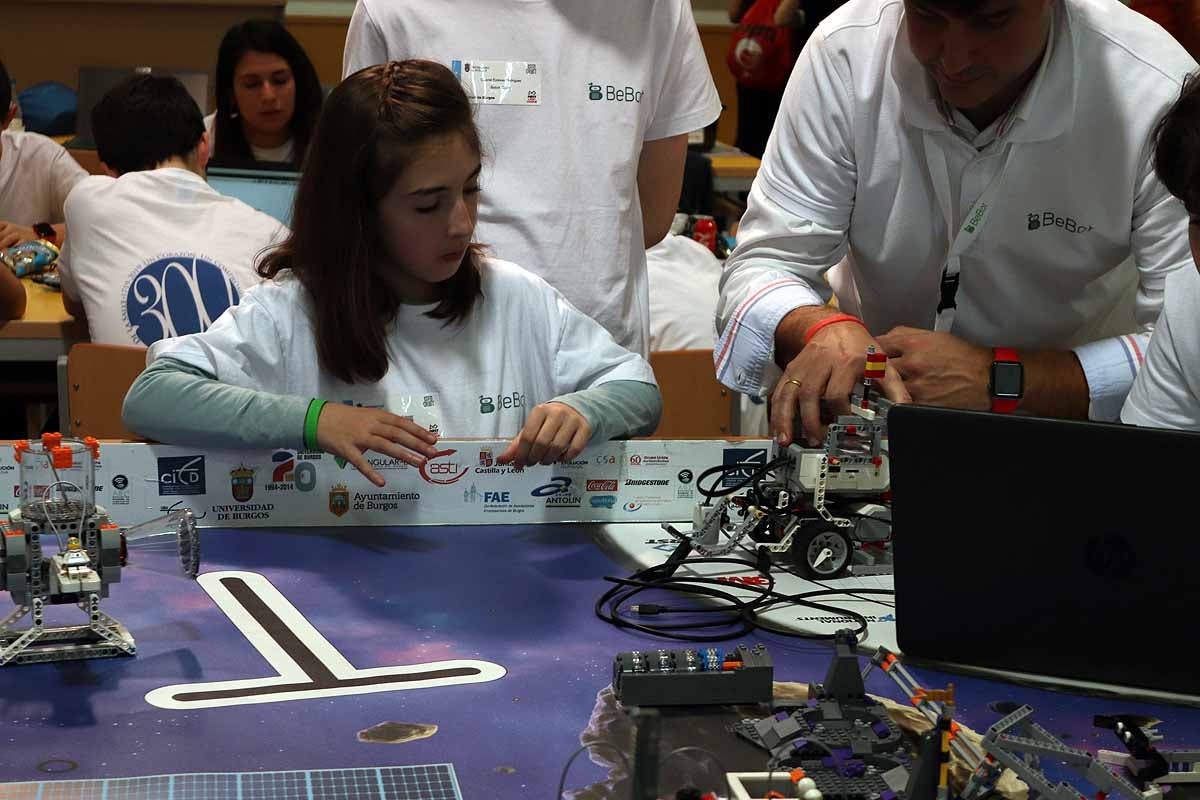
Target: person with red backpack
[(769, 37)]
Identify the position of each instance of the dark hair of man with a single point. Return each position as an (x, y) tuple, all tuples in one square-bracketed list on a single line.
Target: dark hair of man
[(958, 8), (370, 128), (263, 36), (6, 97), (145, 120), (1177, 146)]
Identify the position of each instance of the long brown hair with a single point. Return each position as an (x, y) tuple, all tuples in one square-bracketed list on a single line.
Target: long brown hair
[(369, 128)]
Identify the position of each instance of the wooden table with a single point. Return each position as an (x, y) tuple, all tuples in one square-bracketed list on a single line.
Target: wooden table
[(46, 331)]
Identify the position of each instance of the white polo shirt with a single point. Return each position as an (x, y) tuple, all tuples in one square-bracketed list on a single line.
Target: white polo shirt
[(863, 166), (159, 253), (560, 189), (1166, 393), (36, 175), (521, 345)]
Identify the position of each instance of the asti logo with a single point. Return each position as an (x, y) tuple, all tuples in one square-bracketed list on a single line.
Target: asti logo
[(176, 295), (614, 94), (473, 495), (442, 468)]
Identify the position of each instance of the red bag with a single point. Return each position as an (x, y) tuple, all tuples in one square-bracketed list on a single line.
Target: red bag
[(760, 55)]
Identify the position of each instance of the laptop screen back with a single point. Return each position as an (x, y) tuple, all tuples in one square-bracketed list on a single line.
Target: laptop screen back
[(1063, 549), (269, 191)]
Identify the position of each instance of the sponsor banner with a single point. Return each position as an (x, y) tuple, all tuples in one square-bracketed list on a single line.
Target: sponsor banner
[(648, 480)]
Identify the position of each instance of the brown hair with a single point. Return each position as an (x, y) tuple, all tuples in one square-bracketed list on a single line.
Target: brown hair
[(369, 128), (1177, 146)]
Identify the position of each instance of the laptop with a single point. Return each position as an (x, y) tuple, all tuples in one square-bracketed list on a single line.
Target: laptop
[(270, 190), (95, 82), (1066, 551)]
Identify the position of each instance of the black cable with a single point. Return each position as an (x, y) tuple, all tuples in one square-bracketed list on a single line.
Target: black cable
[(722, 469), (742, 614), (562, 781)]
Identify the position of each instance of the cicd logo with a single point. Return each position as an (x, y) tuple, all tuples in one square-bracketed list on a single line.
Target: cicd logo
[(440, 468)]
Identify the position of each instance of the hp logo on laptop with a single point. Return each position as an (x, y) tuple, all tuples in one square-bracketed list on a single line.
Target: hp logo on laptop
[(1110, 555)]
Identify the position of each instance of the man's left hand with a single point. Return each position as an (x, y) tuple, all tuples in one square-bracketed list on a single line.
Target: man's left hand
[(11, 234), (939, 369)]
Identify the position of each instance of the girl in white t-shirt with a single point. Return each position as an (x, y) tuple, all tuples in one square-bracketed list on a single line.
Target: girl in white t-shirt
[(381, 325)]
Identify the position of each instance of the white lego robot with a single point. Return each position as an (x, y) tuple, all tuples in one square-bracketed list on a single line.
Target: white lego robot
[(58, 500)]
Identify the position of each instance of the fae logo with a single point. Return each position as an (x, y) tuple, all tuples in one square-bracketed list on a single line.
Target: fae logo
[(176, 295), (181, 475), (560, 485), (442, 469), (748, 459)]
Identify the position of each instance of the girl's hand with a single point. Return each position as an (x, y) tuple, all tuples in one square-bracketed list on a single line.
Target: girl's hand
[(553, 432), (349, 432)]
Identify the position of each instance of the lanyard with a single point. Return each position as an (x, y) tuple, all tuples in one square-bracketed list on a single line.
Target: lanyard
[(974, 219)]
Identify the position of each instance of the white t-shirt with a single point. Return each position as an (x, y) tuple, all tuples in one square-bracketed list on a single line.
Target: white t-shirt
[(159, 253), (863, 166), (283, 152), (684, 279), (521, 345), (1166, 393), (560, 177), (36, 175)]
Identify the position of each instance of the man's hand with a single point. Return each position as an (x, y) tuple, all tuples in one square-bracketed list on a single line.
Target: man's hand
[(349, 432), (11, 234), (827, 369), (554, 432), (939, 369)]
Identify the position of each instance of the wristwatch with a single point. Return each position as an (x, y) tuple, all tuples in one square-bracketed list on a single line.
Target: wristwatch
[(44, 230), (1006, 384)]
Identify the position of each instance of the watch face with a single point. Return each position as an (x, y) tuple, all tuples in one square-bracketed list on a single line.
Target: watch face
[(1008, 380)]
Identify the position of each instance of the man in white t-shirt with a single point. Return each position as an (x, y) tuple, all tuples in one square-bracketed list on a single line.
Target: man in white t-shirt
[(36, 174), (584, 109), (978, 171), (1166, 393), (155, 252)]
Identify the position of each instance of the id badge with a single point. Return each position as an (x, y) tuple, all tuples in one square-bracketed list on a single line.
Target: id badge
[(500, 83), (423, 408)]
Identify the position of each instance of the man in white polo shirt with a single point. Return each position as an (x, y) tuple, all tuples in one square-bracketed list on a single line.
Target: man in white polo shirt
[(584, 107), (979, 172), (154, 251)]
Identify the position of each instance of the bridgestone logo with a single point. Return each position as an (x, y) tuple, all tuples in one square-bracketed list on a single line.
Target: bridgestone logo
[(648, 483)]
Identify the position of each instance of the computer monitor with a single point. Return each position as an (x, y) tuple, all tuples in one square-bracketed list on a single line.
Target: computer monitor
[(271, 191), (1064, 551), (95, 82)]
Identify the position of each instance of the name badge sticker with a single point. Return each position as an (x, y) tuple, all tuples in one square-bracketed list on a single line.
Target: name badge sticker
[(500, 83)]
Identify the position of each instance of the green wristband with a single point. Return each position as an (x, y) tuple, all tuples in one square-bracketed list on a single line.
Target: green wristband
[(310, 423)]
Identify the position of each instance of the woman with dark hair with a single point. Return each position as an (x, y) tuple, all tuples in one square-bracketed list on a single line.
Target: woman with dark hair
[(381, 302), (268, 96)]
